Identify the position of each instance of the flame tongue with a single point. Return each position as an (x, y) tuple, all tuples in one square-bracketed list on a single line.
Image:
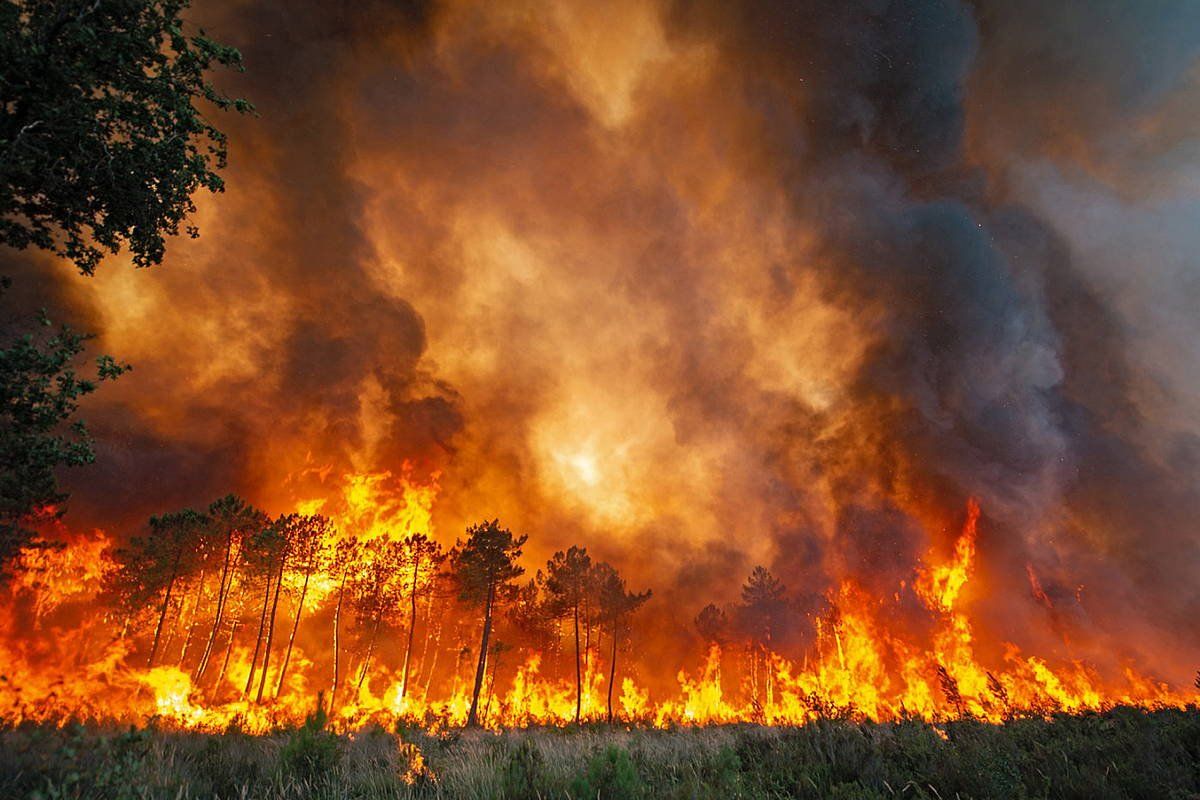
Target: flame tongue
[(940, 585), (859, 663)]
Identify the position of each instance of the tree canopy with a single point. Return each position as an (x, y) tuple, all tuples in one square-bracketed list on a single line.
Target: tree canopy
[(102, 139), (487, 561), (763, 605)]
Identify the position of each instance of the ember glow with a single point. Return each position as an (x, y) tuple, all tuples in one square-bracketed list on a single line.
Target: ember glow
[(77, 663), (835, 289)]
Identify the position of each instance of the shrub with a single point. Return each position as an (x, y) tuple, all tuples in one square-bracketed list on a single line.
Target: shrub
[(524, 772), (311, 751), (103, 766), (610, 775), (716, 776)]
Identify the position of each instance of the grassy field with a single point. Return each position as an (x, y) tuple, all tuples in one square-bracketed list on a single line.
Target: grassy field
[(1118, 754)]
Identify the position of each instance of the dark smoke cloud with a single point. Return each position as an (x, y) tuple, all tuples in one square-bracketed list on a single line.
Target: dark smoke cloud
[(1086, 115), (993, 349), (965, 358)]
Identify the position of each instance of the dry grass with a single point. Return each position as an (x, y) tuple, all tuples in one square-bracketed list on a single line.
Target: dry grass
[(1119, 754)]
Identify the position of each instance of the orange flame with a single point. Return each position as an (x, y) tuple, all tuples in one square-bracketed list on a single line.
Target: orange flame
[(84, 667)]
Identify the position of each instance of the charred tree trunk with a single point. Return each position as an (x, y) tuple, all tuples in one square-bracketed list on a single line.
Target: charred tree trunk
[(578, 670), (262, 621), (222, 591), (612, 670), (337, 662), (362, 675), (162, 617), (460, 656), (173, 631), (412, 628), (587, 636), (425, 637), (228, 650), (437, 653), (769, 679), (473, 714), (191, 627), (491, 688), (756, 702), (287, 654), (262, 681)]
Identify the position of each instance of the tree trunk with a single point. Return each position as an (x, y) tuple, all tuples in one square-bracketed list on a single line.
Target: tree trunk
[(337, 617), (473, 714), (612, 670), (754, 674), (173, 631), (162, 617), (362, 675), (262, 622), (491, 690), (437, 653), (222, 590), (458, 661), (191, 627), (225, 664), (425, 637), (769, 677), (578, 673), (587, 636), (262, 681), (287, 654), (412, 628)]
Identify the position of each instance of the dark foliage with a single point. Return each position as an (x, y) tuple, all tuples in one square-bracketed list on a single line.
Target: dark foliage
[(102, 142), (39, 395)]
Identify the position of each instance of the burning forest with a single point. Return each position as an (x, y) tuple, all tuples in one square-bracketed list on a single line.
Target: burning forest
[(227, 616), (653, 364)]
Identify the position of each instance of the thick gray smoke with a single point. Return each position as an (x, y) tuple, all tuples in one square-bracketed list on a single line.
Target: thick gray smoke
[(1007, 367)]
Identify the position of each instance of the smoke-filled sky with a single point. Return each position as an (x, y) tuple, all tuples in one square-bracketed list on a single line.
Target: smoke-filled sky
[(702, 285)]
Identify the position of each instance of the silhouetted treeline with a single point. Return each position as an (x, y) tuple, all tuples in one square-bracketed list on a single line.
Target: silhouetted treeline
[(198, 587)]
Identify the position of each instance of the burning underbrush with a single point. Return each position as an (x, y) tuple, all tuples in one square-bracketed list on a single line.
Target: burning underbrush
[(229, 619)]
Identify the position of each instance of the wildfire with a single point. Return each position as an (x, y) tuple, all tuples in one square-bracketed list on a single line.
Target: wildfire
[(78, 658), (381, 505), (940, 584)]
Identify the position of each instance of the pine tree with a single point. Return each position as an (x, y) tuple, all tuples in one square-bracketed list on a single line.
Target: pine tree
[(761, 613), (231, 523), (377, 591), (155, 564), (310, 551), (485, 564), (422, 557), (568, 578), (712, 623), (617, 605)]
